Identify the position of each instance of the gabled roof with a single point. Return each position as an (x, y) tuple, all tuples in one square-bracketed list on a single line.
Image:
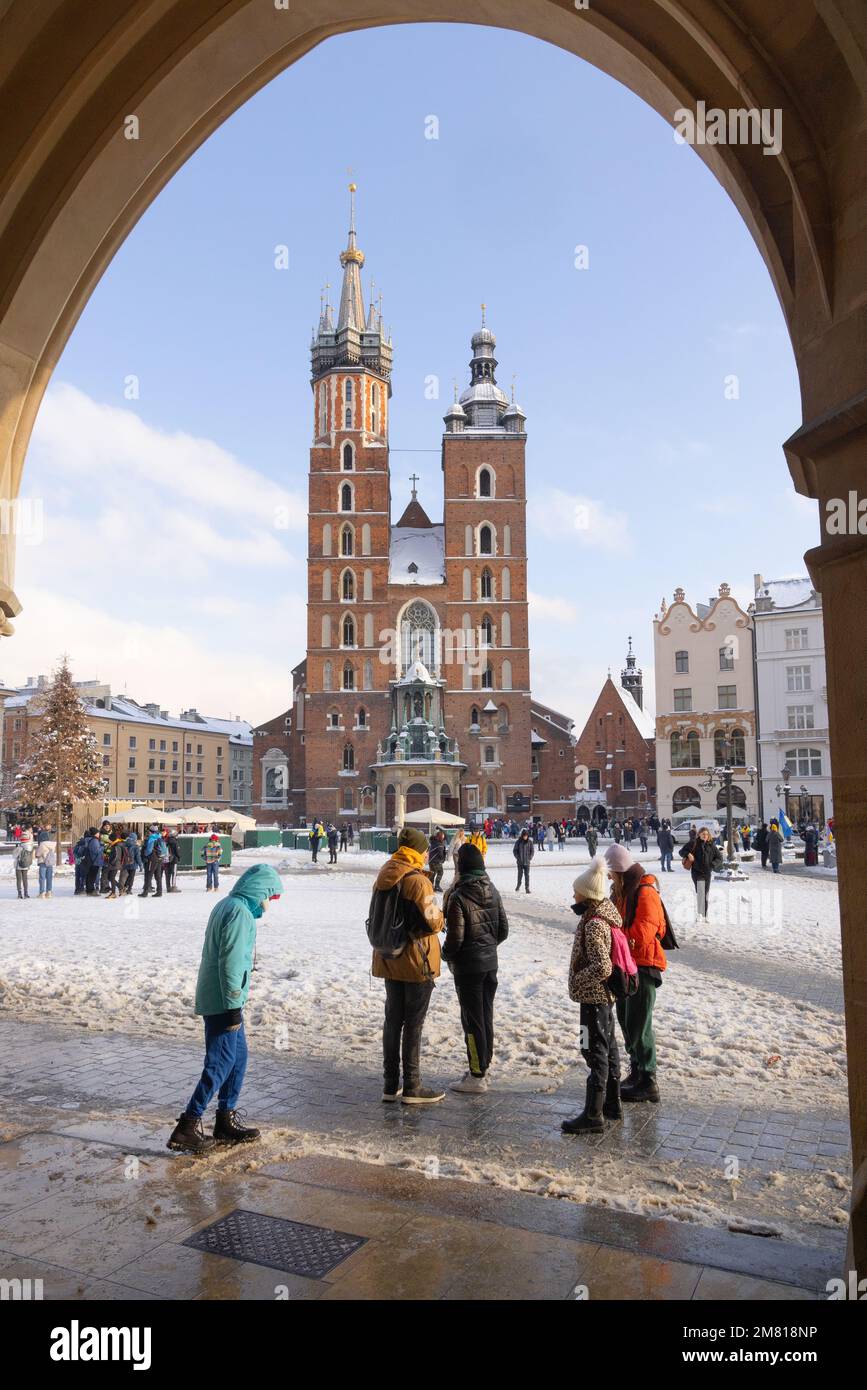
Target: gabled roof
[(415, 515), (640, 718)]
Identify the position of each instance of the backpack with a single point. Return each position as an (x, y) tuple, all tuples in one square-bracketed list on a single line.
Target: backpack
[(623, 980), (25, 858), (390, 921), (668, 941)]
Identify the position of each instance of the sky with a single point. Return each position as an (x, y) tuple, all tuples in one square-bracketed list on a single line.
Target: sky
[(178, 421)]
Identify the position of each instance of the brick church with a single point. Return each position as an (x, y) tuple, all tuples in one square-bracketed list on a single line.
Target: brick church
[(415, 689)]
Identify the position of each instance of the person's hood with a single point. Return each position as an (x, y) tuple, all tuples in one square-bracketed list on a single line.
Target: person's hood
[(256, 884), (475, 889)]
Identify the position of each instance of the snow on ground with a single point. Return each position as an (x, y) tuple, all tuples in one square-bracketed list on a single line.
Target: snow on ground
[(131, 965)]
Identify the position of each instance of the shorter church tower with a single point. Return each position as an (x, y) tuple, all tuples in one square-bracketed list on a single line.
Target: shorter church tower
[(632, 679)]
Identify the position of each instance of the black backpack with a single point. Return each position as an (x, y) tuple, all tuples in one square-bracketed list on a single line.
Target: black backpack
[(389, 926)]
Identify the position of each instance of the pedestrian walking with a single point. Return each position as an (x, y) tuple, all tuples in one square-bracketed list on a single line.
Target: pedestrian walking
[(636, 896), (523, 850), (436, 858), (476, 925), (46, 859), (403, 892), (221, 992), (212, 854), (776, 840), (702, 857), (590, 969), (592, 839)]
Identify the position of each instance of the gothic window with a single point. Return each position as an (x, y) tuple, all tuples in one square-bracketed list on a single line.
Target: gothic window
[(348, 676), (361, 719), (487, 584), (490, 755), (486, 488), (326, 585), (468, 540), (333, 719), (505, 631), (474, 717), (506, 676), (326, 630), (507, 583), (347, 798), (347, 422), (348, 631), (348, 586), (488, 678), (486, 541), (503, 718), (347, 540), (365, 539), (628, 779), (368, 629), (507, 540), (346, 498), (348, 461), (367, 588), (349, 758), (368, 674), (418, 636), (739, 750), (491, 799), (468, 584), (327, 675), (487, 631)]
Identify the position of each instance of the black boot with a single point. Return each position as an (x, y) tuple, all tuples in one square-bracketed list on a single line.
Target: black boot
[(189, 1136), (645, 1088), (612, 1109), (229, 1130), (590, 1120)]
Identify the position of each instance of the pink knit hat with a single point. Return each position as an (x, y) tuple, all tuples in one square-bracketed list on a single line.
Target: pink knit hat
[(618, 858)]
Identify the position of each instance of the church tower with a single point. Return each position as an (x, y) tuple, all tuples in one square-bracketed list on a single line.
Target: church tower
[(488, 674), (348, 546), (631, 678)]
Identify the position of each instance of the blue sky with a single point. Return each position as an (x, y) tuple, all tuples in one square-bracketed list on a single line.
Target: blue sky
[(162, 571)]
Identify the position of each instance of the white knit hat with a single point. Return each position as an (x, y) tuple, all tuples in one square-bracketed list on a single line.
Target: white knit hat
[(591, 886)]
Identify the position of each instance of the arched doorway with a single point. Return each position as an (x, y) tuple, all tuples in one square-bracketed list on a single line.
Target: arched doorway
[(390, 805), (417, 797), (182, 68), (685, 797)]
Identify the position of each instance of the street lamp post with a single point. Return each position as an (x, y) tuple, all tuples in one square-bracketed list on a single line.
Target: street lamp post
[(723, 776), (783, 788)]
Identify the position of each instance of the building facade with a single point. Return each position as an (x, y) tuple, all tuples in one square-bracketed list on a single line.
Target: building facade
[(705, 705), (615, 755), (416, 686), (146, 753), (792, 699)]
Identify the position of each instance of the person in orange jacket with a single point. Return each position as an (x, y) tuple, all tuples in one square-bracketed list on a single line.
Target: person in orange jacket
[(636, 896)]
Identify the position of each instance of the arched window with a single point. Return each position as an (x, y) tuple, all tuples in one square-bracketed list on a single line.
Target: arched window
[(368, 629), (507, 583), (506, 676), (474, 717), (368, 674), (349, 758), (348, 631), (347, 798), (684, 797), (490, 755), (347, 419), (326, 585), (326, 630), (346, 498), (503, 718), (487, 631), (507, 540), (486, 584), (418, 636), (347, 390), (488, 678), (327, 676), (491, 798), (720, 748), (468, 540), (505, 631), (486, 488), (361, 717), (739, 798), (348, 586), (486, 540), (685, 752), (348, 458), (367, 587), (739, 748), (347, 541), (348, 676), (365, 539)]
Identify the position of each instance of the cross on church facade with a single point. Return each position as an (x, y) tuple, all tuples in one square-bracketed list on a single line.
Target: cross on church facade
[(414, 478)]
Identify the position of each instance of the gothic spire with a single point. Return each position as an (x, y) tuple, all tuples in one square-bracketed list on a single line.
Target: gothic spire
[(351, 313)]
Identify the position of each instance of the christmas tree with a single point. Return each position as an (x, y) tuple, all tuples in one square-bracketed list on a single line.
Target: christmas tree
[(63, 764)]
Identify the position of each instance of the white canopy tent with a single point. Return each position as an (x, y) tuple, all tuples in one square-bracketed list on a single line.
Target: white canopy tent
[(143, 815), (430, 816)]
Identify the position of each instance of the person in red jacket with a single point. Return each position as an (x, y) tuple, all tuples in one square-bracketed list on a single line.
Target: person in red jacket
[(636, 896)]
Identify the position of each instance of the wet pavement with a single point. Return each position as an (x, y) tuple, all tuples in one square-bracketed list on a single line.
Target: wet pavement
[(92, 1203)]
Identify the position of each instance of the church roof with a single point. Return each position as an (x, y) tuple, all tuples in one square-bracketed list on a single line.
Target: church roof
[(415, 515), (417, 673), (643, 722), (417, 552)]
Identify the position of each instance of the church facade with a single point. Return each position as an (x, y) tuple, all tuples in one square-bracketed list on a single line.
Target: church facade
[(415, 690)]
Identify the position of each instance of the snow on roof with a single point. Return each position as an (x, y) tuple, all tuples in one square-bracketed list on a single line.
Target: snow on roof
[(789, 592), (417, 555), (537, 740), (417, 672), (643, 722)]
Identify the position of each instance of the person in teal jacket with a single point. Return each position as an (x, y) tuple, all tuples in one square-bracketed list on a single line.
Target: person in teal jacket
[(221, 993)]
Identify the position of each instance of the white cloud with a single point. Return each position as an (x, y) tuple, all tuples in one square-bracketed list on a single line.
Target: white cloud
[(588, 520), (543, 608)]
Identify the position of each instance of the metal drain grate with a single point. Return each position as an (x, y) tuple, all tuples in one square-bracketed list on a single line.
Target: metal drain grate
[(312, 1251)]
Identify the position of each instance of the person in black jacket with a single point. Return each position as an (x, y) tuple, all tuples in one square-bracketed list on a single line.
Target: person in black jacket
[(665, 840), (476, 924), (436, 858), (523, 850), (172, 862), (761, 843), (701, 856)]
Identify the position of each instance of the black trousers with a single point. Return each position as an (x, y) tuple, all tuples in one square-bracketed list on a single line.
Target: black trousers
[(599, 1044), (476, 998), (523, 873), (170, 870), (92, 879), (157, 868), (438, 870), (127, 877), (405, 1008)]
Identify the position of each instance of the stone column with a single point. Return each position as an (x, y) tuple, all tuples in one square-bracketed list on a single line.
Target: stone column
[(828, 460), (399, 799)]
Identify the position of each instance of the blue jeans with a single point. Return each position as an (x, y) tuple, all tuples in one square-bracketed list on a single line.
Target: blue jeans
[(46, 877), (666, 860), (225, 1065), (212, 879), (775, 867)]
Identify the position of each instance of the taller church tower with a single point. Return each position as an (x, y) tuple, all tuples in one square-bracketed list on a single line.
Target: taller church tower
[(348, 546)]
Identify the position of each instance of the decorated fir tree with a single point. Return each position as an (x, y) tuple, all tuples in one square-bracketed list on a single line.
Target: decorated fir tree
[(63, 764)]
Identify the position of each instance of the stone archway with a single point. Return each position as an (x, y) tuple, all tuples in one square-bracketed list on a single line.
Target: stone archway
[(98, 115), (417, 797)]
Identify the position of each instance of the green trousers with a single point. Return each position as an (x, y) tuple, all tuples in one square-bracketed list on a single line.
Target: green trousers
[(635, 1016)]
